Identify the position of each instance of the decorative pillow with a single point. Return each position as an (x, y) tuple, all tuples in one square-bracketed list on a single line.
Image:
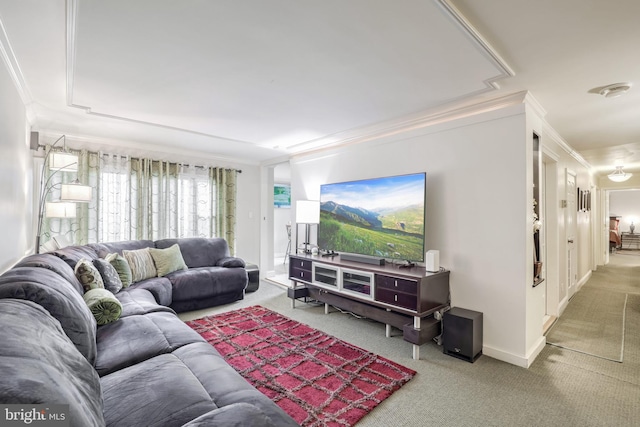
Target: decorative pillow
[(104, 306), (109, 275), (168, 260), (88, 275), (231, 262), (141, 263), (122, 268)]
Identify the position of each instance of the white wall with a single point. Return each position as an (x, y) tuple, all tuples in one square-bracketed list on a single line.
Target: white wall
[(476, 215), (16, 175)]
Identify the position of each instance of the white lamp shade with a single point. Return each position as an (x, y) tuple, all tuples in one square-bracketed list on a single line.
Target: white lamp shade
[(60, 210), (307, 212), (75, 193), (63, 162)]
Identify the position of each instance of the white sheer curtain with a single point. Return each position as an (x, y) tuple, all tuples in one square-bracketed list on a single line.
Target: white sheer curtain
[(148, 199)]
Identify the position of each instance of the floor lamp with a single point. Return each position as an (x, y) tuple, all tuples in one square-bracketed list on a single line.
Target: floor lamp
[(307, 213), (69, 193)]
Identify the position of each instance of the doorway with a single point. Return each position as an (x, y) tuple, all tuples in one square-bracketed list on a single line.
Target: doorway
[(282, 221)]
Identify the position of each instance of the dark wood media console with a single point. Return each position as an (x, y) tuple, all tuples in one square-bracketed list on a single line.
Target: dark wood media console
[(410, 299)]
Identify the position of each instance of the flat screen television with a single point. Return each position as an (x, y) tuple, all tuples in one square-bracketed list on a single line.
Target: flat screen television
[(380, 217)]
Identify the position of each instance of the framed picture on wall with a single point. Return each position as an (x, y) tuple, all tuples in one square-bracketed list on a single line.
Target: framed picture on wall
[(579, 201), (281, 196)]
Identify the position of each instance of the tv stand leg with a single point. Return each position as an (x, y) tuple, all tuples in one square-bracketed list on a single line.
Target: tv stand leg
[(326, 308), (387, 331), (293, 300), (416, 348)]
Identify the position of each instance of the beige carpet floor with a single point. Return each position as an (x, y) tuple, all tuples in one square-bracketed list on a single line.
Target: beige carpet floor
[(561, 388), (593, 323)]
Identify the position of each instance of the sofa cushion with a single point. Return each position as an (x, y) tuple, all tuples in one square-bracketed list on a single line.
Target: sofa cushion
[(88, 275), (104, 306), (40, 365), (234, 415), (141, 263), (139, 301), (160, 288), (59, 298), (167, 260), (109, 274), (134, 339), (225, 385), (121, 266), (198, 251), (72, 254), (205, 282), (102, 249), (55, 264), (139, 395)]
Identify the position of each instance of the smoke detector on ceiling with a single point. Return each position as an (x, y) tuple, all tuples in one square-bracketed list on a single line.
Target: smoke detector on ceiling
[(616, 89)]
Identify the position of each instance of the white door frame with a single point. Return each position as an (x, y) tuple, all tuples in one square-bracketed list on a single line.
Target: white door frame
[(571, 217)]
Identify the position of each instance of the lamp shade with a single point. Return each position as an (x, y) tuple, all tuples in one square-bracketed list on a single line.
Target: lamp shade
[(307, 212), (75, 193), (63, 162), (60, 210)]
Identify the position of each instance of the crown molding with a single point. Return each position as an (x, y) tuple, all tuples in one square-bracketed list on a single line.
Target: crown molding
[(13, 67), (563, 144), (434, 117)]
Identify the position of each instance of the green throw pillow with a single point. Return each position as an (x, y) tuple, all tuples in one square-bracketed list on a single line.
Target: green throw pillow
[(104, 306), (141, 263), (88, 275), (122, 268), (168, 260)]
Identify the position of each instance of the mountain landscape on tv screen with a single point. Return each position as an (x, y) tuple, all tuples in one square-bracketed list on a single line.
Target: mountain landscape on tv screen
[(388, 232)]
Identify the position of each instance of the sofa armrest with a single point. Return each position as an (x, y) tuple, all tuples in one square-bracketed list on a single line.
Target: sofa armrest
[(230, 262), (234, 415)]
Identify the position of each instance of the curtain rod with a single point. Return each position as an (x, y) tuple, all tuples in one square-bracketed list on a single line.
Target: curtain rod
[(137, 158)]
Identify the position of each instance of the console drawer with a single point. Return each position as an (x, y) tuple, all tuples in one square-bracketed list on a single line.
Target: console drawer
[(399, 299), (298, 274), (300, 264), (396, 285)]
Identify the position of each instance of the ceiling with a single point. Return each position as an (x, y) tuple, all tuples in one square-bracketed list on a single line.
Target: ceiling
[(256, 81)]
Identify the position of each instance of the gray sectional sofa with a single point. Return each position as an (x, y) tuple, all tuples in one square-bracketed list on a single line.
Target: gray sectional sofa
[(148, 368)]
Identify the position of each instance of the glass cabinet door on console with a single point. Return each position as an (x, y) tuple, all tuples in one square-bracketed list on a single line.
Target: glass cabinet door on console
[(357, 282), (325, 275)]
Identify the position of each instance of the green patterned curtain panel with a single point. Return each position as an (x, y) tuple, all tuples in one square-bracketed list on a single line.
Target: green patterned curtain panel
[(147, 199)]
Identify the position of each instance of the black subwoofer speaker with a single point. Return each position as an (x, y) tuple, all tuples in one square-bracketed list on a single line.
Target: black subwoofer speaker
[(462, 334)]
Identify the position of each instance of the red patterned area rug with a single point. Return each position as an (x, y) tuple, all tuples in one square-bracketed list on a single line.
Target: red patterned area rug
[(316, 378)]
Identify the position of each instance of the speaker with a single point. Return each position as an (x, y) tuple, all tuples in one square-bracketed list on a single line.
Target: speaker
[(367, 259), (34, 140), (462, 334), (432, 261)]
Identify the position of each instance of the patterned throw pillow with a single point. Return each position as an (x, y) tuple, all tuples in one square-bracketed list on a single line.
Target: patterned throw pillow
[(109, 275), (122, 268), (141, 263), (168, 260), (88, 275)]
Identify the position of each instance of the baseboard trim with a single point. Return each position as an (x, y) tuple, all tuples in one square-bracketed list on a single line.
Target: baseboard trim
[(584, 280), (514, 359)]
